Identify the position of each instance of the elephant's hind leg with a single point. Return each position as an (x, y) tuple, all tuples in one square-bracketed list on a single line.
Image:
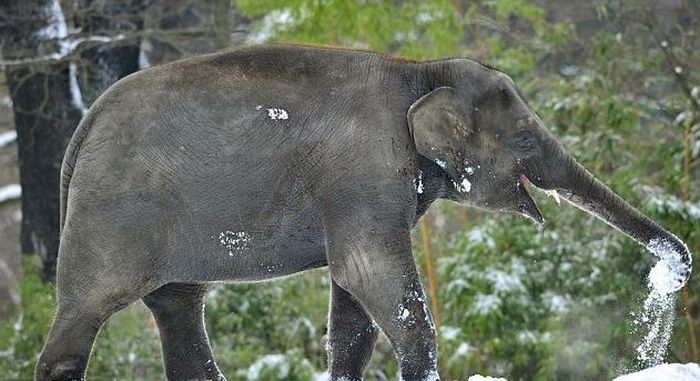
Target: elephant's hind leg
[(179, 312), (86, 299)]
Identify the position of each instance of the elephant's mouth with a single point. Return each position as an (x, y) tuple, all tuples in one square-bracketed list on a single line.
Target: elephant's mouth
[(526, 205)]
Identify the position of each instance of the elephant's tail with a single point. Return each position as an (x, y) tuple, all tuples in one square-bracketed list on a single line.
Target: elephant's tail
[(69, 160)]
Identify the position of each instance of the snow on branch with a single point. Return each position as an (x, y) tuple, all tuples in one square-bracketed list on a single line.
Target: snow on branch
[(57, 30), (10, 192), (7, 137), (66, 46)]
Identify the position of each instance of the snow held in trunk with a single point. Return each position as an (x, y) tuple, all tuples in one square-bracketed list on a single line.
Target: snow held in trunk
[(667, 276), (658, 313)]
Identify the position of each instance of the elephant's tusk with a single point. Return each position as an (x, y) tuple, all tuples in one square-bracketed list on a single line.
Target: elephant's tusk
[(554, 194)]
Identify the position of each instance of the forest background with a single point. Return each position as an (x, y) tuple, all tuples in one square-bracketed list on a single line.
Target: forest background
[(616, 81)]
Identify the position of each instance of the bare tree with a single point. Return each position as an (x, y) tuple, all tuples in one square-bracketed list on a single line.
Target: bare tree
[(41, 57)]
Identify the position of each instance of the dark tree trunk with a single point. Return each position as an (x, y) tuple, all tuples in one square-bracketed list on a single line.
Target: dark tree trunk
[(102, 65), (48, 103), (45, 118)]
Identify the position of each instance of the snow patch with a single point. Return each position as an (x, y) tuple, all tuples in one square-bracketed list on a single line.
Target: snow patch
[(695, 92), (234, 241), (484, 304), (6, 101), (278, 362), (56, 27), (144, 63), (323, 376), (75, 93), (10, 192), (277, 114), (449, 333), (465, 186), (274, 22), (7, 137), (554, 194), (441, 163), (478, 377), (403, 316), (418, 182), (666, 372)]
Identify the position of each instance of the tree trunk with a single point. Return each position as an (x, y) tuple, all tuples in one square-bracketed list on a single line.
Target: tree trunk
[(44, 117), (48, 102)]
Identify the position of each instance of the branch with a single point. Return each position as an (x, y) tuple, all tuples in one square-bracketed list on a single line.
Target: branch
[(65, 48)]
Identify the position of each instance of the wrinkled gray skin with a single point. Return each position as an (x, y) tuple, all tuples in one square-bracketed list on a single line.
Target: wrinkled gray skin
[(180, 176)]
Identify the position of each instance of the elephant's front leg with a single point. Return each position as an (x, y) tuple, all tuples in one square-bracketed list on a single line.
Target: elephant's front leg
[(371, 259), (351, 336)]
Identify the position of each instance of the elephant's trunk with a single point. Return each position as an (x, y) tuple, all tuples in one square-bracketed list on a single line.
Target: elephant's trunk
[(558, 170)]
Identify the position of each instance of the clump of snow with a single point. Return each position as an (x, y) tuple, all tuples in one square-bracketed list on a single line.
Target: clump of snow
[(665, 372), (403, 316), (234, 241), (663, 278), (670, 273), (554, 194), (7, 137), (465, 186), (441, 163), (10, 192), (277, 114), (278, 362), (695, 92), (418, 182), (478, 377)]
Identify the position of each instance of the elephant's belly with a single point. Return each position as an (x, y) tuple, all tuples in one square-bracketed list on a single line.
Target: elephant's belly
[(274, 245)]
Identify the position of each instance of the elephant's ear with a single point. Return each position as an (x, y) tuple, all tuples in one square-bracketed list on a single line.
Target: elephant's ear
[(439, 125)]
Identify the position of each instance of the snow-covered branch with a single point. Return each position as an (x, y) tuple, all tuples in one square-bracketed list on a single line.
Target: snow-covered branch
[(10, 192), (7, 137), (65, 47)]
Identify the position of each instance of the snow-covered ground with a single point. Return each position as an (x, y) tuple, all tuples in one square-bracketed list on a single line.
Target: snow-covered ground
[(665, 372), (478, 377)]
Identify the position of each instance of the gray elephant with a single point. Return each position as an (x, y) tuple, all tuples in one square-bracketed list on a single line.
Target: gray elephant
[(266, 161)]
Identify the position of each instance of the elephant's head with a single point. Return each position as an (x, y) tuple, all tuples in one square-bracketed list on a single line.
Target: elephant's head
[(491, 144)]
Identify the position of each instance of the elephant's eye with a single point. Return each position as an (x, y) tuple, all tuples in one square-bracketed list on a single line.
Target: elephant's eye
[(525, 142)]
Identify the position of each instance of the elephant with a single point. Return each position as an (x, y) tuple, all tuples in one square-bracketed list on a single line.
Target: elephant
[(265, 161)]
